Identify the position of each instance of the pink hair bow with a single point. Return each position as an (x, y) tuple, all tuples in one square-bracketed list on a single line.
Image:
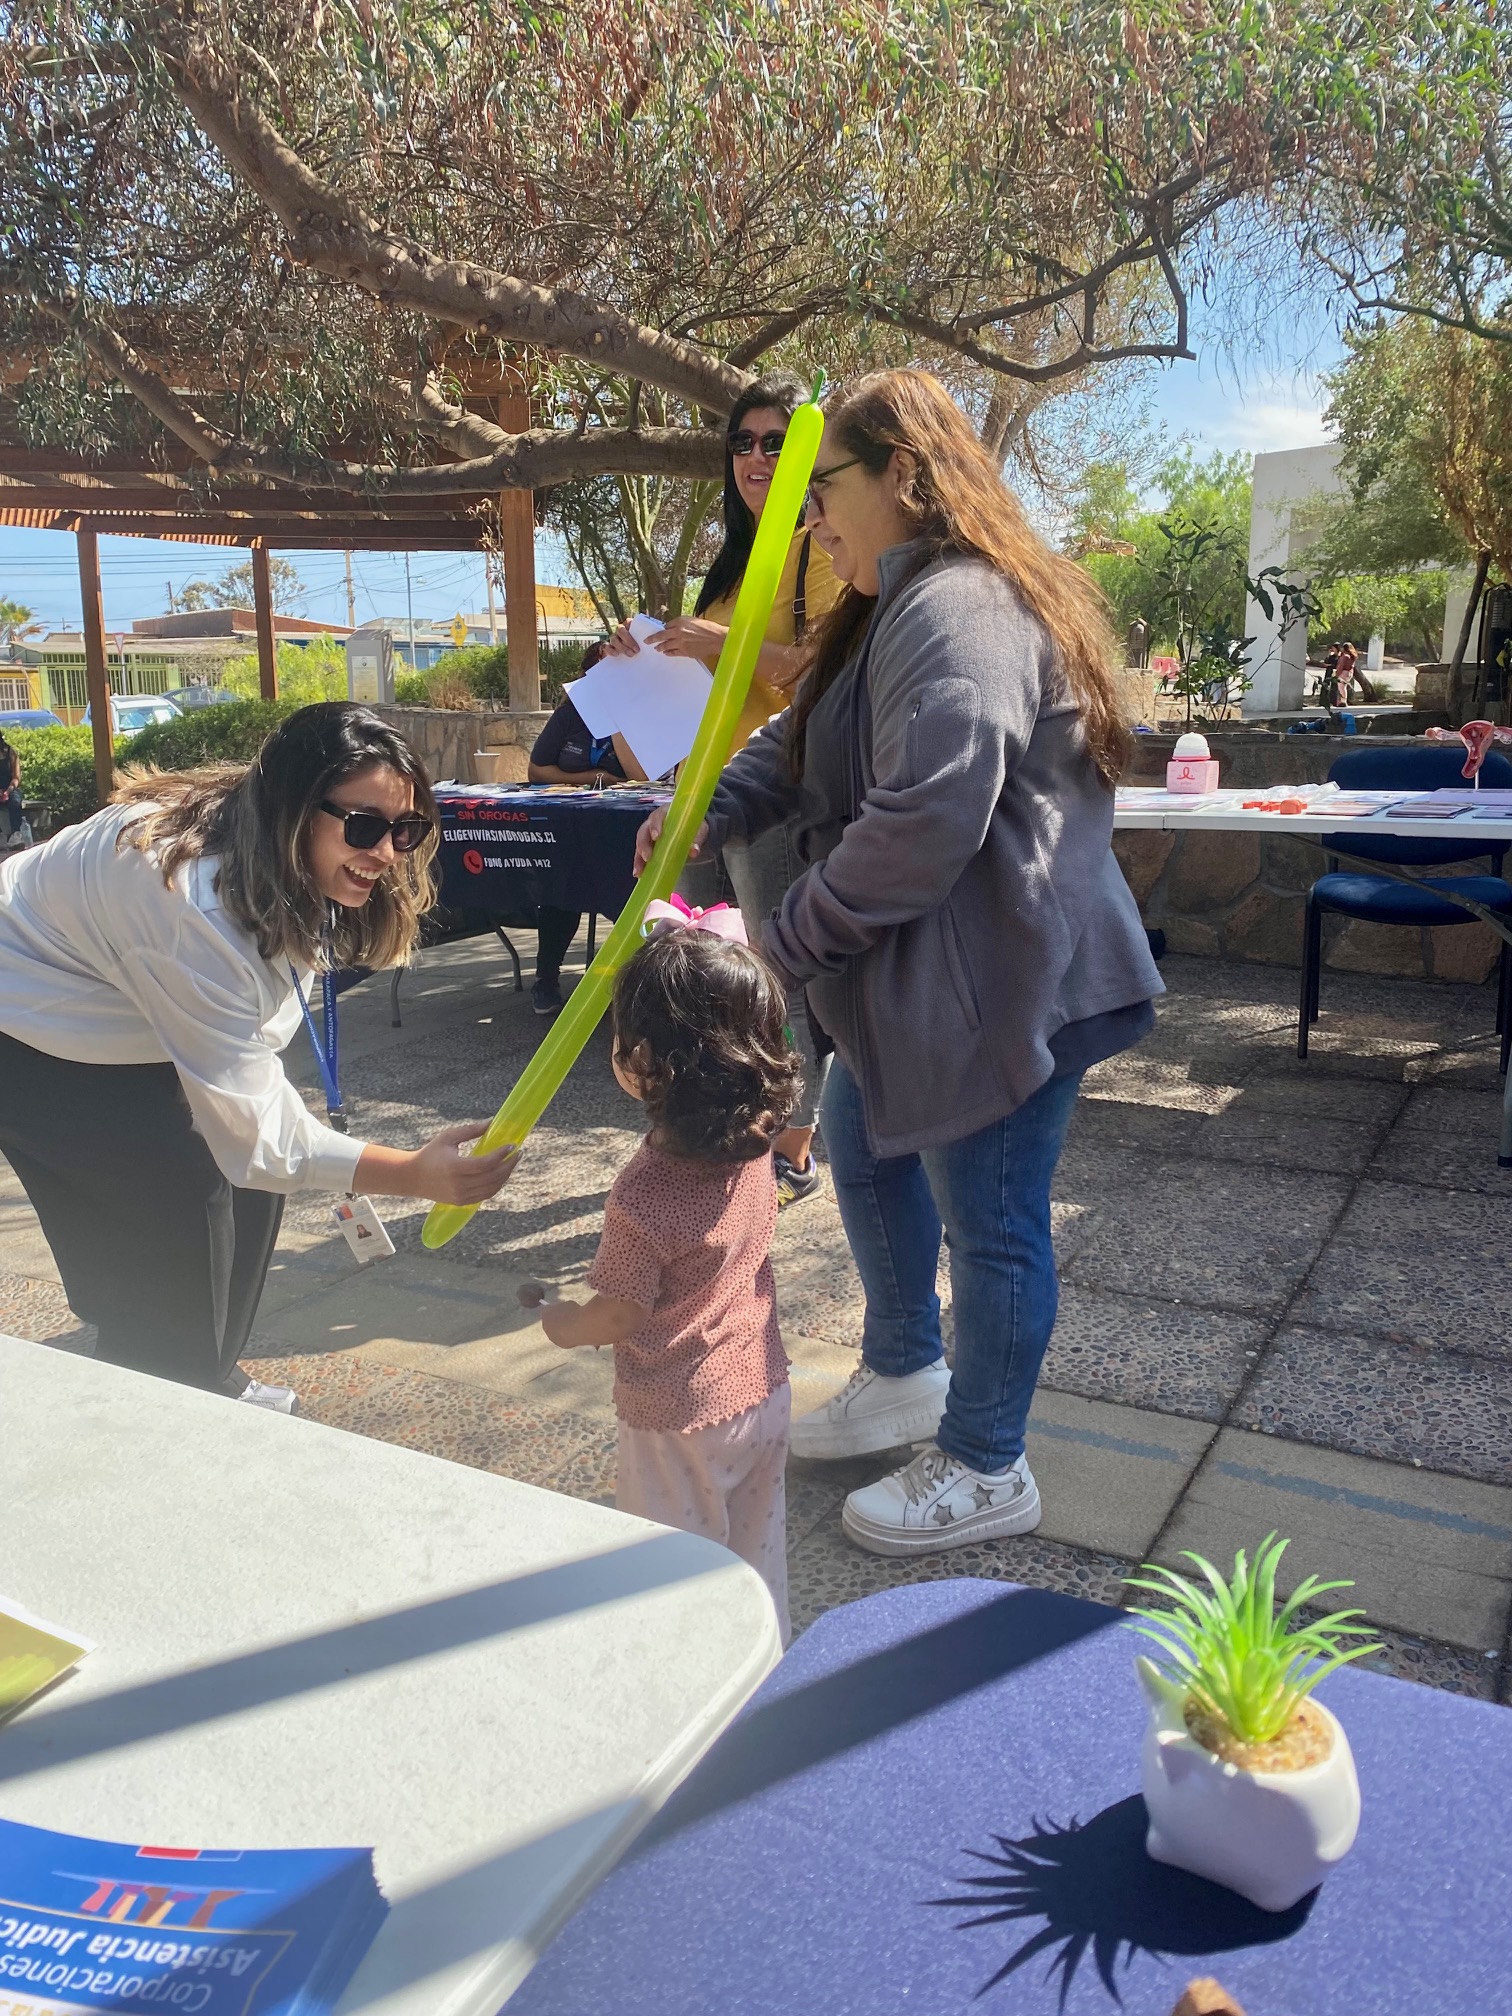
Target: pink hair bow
[(719, 920)]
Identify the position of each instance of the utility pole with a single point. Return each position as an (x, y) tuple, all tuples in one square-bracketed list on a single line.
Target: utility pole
[(410, 604), (172, 605), (493, 614), (351, 598)]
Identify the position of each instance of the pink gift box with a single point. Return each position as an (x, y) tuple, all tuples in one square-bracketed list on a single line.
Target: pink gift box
[(1192, 773)]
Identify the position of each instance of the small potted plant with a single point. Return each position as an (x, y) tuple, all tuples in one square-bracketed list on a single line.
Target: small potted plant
[(1248, 1779)]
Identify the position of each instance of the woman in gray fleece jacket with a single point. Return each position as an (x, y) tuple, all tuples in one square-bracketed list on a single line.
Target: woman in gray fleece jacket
[(964, 935)]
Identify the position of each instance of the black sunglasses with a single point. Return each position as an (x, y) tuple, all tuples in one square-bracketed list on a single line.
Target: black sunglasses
[(366, 829), (746, 443)]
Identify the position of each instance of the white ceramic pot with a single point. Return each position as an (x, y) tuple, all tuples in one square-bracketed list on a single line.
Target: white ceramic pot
[(1270, 1835)]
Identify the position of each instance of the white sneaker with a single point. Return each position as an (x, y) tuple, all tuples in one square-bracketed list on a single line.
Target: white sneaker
[(935, 1502), (872, 1412), (277, 1399)]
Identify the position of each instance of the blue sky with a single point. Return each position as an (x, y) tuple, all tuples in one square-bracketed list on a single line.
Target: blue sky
[(1271, 402)]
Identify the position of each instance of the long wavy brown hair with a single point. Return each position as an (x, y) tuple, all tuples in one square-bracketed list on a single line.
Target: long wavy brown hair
[(954, 497), (253, 818)]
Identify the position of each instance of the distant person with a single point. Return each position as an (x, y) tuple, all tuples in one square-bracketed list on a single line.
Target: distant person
[(761, 869), (566, 752), (682, 1280), (10, 795), (152, 961), (1328, 681)]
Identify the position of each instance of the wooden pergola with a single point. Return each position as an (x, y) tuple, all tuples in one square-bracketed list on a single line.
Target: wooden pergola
[(162, 493)]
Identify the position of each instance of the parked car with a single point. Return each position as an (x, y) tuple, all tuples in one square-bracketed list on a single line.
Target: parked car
[(187, 697), (130, 713), (28, 717)]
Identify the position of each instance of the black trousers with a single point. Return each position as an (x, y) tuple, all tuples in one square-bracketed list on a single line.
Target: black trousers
[(155, 1247), (555, 931)]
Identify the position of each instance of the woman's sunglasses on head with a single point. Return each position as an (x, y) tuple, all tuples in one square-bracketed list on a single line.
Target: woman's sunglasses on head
[(366, 829), (746, 443)]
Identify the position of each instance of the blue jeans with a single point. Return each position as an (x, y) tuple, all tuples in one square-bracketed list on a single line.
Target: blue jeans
[(990, 1196)]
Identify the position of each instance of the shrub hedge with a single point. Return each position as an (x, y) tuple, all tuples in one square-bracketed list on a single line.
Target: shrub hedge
[(224, 734), (57, 770), (484, 668), (57, 764)]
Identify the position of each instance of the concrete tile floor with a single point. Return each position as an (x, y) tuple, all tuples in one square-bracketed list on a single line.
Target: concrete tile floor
[(1283, 1305)]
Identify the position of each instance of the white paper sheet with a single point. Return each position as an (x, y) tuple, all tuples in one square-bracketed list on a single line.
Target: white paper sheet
[(654, 700)]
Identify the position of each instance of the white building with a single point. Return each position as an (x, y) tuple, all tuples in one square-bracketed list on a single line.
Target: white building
[(1287, 487)]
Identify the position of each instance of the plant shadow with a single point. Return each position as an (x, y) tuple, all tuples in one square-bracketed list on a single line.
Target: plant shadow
[(1098, 1892)]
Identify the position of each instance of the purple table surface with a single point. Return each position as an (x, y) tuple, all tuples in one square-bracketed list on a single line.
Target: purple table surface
[(933, 1806)]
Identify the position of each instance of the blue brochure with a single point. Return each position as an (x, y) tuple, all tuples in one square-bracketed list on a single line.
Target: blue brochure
[(96, 1925)]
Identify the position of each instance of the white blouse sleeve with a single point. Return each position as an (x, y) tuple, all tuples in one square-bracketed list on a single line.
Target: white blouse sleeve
[(204, 1004)]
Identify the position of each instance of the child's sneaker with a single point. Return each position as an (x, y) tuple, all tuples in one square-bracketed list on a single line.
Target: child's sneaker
[(793, 1183)]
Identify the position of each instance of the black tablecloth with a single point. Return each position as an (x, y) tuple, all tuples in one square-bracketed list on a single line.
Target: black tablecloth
[(507, 850), (932, 1808)]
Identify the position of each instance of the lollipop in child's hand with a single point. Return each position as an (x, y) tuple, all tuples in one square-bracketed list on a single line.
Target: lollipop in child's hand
[(535, 1294)]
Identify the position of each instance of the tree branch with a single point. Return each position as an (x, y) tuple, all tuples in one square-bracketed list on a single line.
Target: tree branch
[(500, 461), (771, 333), (328, 232)]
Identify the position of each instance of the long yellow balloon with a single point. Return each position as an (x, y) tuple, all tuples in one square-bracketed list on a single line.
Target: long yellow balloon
[(538, 1082)]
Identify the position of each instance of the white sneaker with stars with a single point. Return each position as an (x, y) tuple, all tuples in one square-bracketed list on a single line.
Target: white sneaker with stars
[(871, 1412), (935, 1502)]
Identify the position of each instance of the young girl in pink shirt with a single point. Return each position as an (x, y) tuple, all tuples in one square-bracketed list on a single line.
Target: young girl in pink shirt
[(682, 1280)]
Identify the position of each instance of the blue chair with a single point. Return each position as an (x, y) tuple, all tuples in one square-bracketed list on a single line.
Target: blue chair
[(1379, 899)]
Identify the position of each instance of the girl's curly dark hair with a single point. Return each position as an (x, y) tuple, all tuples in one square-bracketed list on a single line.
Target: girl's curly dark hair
[(701, 1023)]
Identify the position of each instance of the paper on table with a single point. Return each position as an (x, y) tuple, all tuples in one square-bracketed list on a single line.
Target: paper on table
[(32, 1655), (654, 700)]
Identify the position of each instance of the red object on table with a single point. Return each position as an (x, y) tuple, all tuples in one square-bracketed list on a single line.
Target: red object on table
[(1477, 737)]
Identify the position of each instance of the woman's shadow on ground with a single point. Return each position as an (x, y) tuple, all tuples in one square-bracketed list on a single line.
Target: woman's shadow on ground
[(1098, 1892)]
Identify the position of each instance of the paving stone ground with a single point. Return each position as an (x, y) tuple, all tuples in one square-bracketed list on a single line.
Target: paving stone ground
[(1284, 1300)]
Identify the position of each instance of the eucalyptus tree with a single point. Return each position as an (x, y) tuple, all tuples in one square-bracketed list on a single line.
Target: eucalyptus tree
[(306, 239)]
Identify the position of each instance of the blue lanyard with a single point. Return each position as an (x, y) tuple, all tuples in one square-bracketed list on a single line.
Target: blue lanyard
[(325, 1052)]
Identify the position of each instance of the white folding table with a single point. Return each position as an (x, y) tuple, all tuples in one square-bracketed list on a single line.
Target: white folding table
[(1223, 812), (310, 1638)]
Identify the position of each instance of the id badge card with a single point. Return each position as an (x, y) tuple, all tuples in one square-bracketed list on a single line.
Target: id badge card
[(362, 1229)]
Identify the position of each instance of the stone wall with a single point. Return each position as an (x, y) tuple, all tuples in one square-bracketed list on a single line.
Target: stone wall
[(1241, 895), (474, 746)]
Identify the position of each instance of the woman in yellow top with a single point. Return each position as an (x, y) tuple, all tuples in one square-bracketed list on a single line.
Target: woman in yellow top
[(760, 871)]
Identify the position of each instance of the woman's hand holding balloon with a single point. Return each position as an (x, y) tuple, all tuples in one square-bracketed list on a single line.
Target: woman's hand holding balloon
[(442, 1170), (650, 833)]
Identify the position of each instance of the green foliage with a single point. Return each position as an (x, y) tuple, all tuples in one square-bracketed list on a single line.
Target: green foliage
[(1179, 566), (57, 764), (16, 622), (1407, 609), (1424, 416), (306, 672), (234, 589), (208, 735), (57, 769), (482, 670), (1229, 1647)]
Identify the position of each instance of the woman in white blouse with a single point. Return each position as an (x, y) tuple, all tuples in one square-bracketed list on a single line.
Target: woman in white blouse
[(149, 961)]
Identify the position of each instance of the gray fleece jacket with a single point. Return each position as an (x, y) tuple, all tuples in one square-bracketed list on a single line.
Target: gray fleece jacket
[(961, 905)]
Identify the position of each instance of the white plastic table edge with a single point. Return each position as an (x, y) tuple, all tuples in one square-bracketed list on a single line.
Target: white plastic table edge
[(1312, 826)]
